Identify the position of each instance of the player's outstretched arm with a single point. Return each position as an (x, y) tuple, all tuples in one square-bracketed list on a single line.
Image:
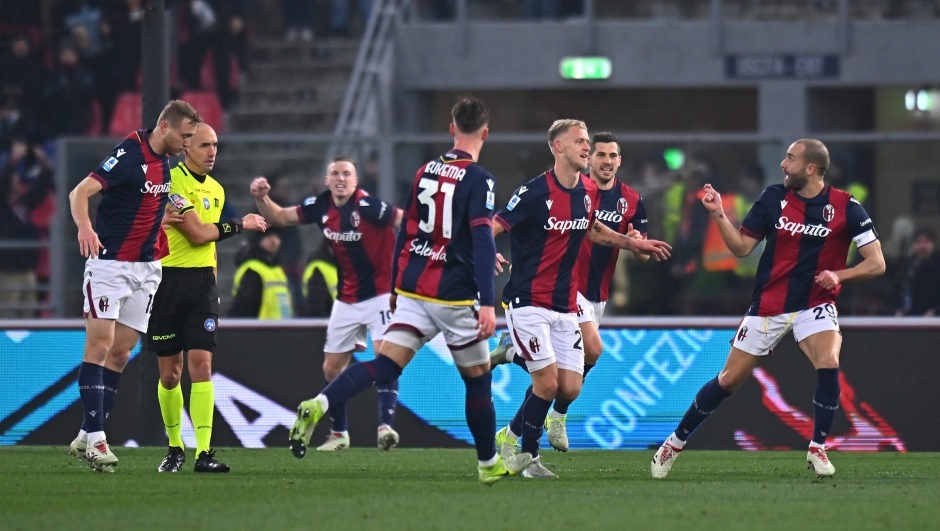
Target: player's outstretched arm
[(636, 235), (603, 235), (872, 266), (273, 213), (88, 242), (739, 244)]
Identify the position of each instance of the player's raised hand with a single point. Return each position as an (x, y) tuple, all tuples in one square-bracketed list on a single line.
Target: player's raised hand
[(712, 200), (171, 215), (486, 322), (259, 188), (88, 242), (654, 248), (254, 222), (500, 262), (828, 279)]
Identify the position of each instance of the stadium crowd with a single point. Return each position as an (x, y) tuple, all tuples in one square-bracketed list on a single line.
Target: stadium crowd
[(64, 63)]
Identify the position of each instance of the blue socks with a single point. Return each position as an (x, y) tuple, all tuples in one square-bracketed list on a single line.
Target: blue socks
[(825, 403), (705, 403), (515, 425), (387, 398), (111, 380), (91, 392), (337, 414), (534, 411), (359, 377), (481, 415)]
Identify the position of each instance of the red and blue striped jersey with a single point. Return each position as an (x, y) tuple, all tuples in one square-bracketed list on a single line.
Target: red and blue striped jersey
[(804, 238), (361, 235), (449, 196), (617, 208), (135, 183), (547, 223)]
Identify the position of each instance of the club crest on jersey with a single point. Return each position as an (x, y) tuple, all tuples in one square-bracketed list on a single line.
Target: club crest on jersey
[(622, 206), (587, 203), (534, 344), (354, 219), (103, 304), (205, 202), (829, 213), (209, 325)]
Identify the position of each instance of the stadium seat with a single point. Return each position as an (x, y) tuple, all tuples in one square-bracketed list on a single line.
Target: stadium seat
[(127, 114), (208, 106)]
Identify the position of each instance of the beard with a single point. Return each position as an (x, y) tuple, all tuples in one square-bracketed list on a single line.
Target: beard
[(796, 181), (600, 176)]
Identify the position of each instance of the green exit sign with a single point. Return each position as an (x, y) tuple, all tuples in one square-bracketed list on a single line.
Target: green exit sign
[(585, 68)]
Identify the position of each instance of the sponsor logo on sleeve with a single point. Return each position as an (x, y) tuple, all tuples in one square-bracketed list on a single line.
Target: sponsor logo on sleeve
[(310, 201), (109, 164), (490, 200), (363, 202), (120, 152), (513, 202), (209, 325), (179, 202)]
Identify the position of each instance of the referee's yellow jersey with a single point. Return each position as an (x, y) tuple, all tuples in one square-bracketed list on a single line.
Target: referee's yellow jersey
[(206, 198)]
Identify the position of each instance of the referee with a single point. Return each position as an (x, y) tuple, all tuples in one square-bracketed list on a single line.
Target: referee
[(185, 312)]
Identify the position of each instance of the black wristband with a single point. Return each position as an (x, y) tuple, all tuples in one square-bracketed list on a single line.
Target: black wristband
[(229, 228)]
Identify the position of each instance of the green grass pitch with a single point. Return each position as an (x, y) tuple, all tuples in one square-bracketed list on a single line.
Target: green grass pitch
[(359, 489)]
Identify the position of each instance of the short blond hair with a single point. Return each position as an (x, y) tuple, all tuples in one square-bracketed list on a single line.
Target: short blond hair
[(175, 111), (560, 127)]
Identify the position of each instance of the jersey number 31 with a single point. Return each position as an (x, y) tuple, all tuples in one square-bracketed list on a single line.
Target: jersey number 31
[(429, 187)]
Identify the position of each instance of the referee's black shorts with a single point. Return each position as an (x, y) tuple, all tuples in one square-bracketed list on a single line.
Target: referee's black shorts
[(185, 312)]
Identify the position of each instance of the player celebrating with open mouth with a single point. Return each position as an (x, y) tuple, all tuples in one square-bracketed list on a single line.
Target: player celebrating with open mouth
[(808, 226)]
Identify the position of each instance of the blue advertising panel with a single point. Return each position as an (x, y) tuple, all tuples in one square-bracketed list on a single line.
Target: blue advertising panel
[(633, 398)]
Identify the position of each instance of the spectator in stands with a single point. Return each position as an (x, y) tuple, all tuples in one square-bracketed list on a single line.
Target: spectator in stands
[(17, 265), (219, 25), (67, 96), (340, 19), (12, 123), (299, 17), (321, 278), (920, 289), (260, 283), (21, 74), (291, 244), (127, 26), (82, 19)]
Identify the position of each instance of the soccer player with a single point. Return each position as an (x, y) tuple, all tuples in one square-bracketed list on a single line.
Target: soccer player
[(445, 257), (808, 226), (548, 218), (620, 208), (185, 312), (123, 267), (360, 230)]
